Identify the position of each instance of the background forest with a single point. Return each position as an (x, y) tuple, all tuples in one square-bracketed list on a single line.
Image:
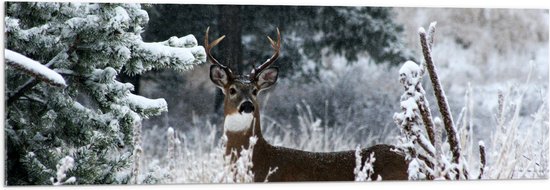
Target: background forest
[(339, 86)]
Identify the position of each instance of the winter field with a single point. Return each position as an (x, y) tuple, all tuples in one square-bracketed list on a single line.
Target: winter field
[(479, 56), (82, 125)]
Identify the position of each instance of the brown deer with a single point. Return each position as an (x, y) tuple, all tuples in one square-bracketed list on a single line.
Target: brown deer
[(242, 121)]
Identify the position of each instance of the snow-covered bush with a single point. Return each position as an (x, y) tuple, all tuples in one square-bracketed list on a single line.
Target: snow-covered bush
[(63, 96), (518, 146), (429, 161)]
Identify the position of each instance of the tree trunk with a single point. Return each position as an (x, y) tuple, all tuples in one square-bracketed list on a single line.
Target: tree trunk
[(231, 49)]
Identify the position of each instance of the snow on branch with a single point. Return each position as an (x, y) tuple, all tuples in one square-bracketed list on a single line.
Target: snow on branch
[(147, 106), (160, 50), (176, 53), (188, 41), (409, 123), (64, 165), (34, 68)]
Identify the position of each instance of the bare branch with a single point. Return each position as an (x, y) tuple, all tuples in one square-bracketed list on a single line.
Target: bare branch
[(430, 37)]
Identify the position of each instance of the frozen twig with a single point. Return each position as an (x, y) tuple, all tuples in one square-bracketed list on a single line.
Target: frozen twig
[(137, 150), (171, 153), (441, 98), (270, 172), (430, 37), (439, 167), (424, 108), (364, 171), (482, 159), (431, 31)]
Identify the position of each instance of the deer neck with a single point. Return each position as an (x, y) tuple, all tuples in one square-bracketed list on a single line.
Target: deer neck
[(238, 128)]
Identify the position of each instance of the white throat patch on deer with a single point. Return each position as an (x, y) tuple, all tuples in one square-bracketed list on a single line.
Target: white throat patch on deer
[(238, 122)]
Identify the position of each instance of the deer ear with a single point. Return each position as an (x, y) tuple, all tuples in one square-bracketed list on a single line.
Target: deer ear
[(219, 76), (267, 77)]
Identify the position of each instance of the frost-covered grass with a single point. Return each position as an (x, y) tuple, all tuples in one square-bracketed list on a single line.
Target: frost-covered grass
[(199, 152), (517, 145), (483, 73), (514, 132)]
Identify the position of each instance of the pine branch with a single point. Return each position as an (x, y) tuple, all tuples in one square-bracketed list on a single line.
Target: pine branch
[(22, 90), (33, 82)]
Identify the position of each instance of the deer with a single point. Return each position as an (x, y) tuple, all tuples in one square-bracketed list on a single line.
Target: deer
[(242, 121)]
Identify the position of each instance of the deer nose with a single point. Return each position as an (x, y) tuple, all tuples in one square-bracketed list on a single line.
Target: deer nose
[(246, 107)]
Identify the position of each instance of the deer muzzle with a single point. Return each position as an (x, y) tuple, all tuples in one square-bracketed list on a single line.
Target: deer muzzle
[(246, 107)]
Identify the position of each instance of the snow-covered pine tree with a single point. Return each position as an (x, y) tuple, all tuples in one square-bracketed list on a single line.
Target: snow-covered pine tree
[(62, 96)]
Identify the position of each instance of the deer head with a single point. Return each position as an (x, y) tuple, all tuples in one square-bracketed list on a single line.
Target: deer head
[(241, 107)]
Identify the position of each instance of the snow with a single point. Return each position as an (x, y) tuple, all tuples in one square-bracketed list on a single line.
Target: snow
[(170, 132), (143, 103), (409, 67), (11, 24), (421, 30), (158, 50), (121, 15), (413, 170), (64, 165), (185, 41), (363, 172), (427, 143), (409, 74), (409, 107), (123, 52), (481, 143), (34, 68)]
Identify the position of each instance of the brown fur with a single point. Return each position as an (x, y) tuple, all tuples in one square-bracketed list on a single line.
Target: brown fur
[(298, 165)]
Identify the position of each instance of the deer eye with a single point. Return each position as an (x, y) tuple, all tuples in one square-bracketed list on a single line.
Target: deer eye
[(232, 91), (255, 92)]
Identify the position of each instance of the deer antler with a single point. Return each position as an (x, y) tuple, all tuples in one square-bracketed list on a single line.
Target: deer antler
[(208, 46), (276, 46)]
